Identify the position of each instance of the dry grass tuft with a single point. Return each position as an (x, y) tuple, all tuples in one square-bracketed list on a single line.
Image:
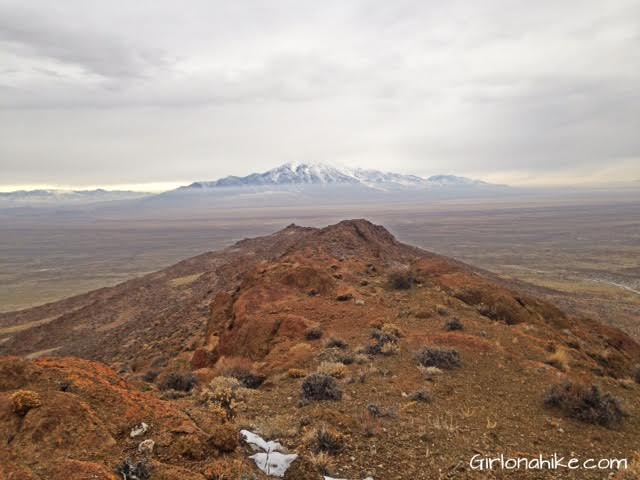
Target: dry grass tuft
[(322, 462), (336, 343), (333, 369), (224, 393), (24, 400), (559, 359), (227, 469), (296, 373), (317, 387)]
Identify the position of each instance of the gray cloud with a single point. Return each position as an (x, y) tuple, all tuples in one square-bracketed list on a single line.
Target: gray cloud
[(122, 92)]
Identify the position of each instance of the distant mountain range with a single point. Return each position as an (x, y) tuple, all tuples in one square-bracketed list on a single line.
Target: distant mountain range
[(325, 174), (288, 184), (53, 196)]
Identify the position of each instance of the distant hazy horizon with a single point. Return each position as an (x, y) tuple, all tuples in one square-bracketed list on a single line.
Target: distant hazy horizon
[(159, 187), (154, 95)]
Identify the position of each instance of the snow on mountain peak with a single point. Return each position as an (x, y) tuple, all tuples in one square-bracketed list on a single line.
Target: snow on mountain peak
[(318, 173)]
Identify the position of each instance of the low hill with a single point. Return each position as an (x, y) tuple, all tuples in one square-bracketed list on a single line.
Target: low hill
[(364, 356)]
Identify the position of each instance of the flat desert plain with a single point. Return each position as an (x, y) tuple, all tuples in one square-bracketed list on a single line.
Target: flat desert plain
[(584, 256)]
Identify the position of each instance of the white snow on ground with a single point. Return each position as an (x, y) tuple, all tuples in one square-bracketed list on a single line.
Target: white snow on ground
[(139, 430), (270, 461), (274, 464)]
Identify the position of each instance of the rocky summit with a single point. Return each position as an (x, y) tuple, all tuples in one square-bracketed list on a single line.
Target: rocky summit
[(336, 352)]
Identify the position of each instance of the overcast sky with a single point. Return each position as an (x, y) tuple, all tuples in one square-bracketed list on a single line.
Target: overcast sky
[(164, 92)]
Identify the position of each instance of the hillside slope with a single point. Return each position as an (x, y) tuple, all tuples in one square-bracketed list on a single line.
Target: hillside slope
[(394, 362)]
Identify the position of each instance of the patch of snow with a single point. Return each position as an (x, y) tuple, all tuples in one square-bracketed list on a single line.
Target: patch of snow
[(139, 430), (274, 464), (257, 441), (146, 446), (270, 460)]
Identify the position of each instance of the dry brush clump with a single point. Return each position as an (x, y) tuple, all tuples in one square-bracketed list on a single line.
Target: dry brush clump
[(227, 469), (429, 372), (224, 437), (317, 387), (130, 470), (314, 333), (336, 343), (585, 403), (225, 393), (178, 381), (322, 462), (324, 439), (559, 359), (296, 373), (24, 400), (386, 339), (150, 376), (453, 325), (401, 280), (443, 358), (420, 396), (240, 368), (333, 369)]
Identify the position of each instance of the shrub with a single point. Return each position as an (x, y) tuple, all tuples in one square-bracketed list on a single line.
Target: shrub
[(240, 368), (320, 387), (444, 358), (429, 372), (182, 382), (345, 358), (225, 392), (227, 469), (333, 369), (392, 330), (558, 359), (360, 358), (336, 343), (217, 412), (386, 340), (249, 379), (453, 325), (24, 400), (390, 349), (150, 376), (133, 471), (190, 447), (374, 410), (322, 462), (328, 440), (314, 333), (224, 437), (401, 280), (585, 403), (420, 396), (296, 373)]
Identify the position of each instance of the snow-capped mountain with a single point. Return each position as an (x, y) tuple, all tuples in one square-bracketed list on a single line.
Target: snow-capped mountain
[(287, 174), (326, 174)]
